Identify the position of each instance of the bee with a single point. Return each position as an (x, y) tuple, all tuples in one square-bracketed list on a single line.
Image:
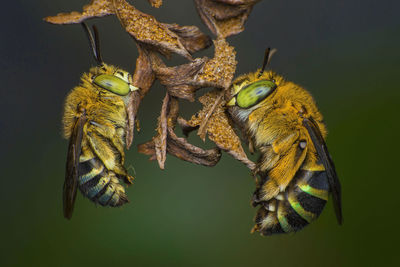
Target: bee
[(296, 173), (94, 121)]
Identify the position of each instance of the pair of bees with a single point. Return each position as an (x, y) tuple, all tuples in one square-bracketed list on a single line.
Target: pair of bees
[(279, 118)]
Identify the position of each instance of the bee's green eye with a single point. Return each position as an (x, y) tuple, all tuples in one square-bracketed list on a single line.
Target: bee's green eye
[(254, 93), (112, 84)]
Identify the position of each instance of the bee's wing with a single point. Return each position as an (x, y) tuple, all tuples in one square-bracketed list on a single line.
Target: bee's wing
[(323, 154), (71, 172)]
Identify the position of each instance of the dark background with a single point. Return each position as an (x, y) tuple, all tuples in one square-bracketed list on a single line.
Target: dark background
[(345, 52)]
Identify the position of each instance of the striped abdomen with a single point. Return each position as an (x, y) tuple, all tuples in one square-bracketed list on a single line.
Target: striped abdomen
[(97, 183), (300, 204)]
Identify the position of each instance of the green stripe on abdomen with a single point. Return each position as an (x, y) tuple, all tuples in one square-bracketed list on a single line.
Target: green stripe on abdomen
[(282, 218), (319, 193), (296, 205)]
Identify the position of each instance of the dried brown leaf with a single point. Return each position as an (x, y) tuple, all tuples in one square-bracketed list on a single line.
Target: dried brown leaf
[(186, 128), (173, 112), (156, 3), (148, 148), (184, 80), (96, 8), (143, 78), (224, 17), (131, 110), (234, 25), (178, 146), (221, 11), (146, 29), (142, 27), (191, 37), (179, 80), (160, 141), (219, 127)]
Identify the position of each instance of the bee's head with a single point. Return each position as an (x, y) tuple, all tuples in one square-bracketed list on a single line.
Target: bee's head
[(249, 90), (113, 79), (108, 77)]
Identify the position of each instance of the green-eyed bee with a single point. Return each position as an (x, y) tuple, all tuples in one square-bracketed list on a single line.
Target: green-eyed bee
[(94, 121), (281, 120)]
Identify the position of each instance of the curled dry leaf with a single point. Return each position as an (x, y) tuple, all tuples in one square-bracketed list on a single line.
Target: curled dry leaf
[(146, 29), (186, 127), (142, 27), (160, 141), (191, 37), (178, 80), (156, 3), (173, 111), (224, 17), (143, 78), (96, 8), (184, 80), (221, 11), (219, 127), (178, 146), (131, 110)]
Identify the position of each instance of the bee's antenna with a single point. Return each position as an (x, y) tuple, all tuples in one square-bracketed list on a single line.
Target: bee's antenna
[(267, 57), (97, 42), (94, 43)]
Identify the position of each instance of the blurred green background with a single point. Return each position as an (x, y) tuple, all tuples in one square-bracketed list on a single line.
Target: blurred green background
[(346, 53)]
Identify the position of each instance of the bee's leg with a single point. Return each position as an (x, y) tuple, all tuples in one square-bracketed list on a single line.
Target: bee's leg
[(107, 152), (285, 167), (113, 134), (284, 142), (267, 160), (265, 192), (270, 154)]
